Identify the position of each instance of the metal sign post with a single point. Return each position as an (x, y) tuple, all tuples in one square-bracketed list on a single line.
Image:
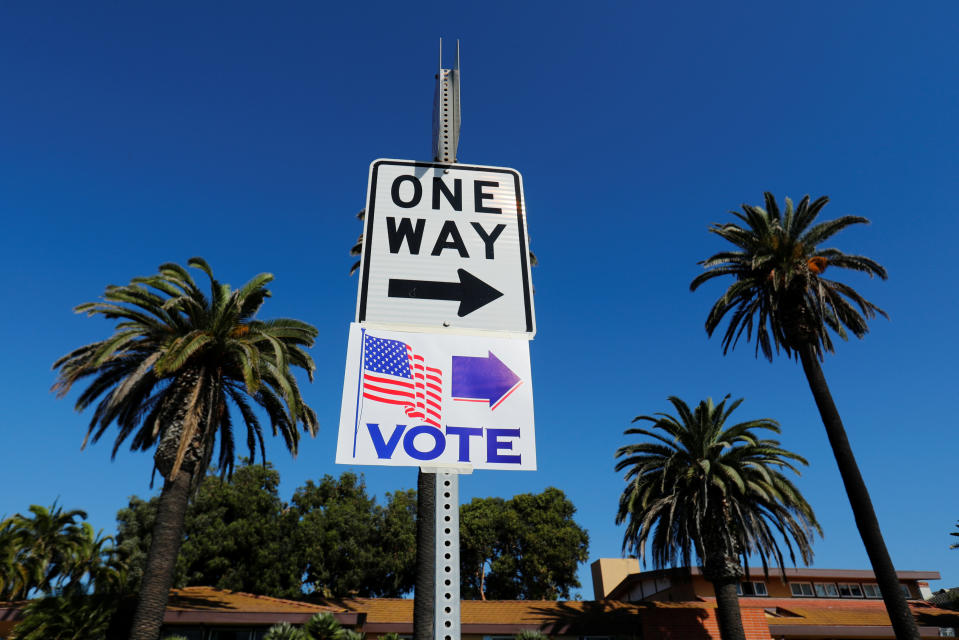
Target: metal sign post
[(447, 575), (446, 110), (436, 605)]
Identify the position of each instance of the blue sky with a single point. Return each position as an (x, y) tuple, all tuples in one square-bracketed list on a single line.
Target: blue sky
[(136, 134)]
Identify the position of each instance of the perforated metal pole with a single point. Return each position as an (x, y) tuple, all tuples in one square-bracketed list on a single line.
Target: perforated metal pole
[(436, 608), (446, 110), (447, 616)]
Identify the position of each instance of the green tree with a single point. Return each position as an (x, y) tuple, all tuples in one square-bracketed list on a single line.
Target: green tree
[(351, 545), (482, 527), (135, 534), (239, 535), (78, 573), (696, 484), (168, 377), (45, 550), (779, 292), (69, 616), (528, 547)]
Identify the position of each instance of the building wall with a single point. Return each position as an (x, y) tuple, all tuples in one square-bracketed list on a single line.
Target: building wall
[(609, 572), (776, 588), (672, 592)]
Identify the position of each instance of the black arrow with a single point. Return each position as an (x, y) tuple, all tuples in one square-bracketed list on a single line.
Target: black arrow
[(471, 292)]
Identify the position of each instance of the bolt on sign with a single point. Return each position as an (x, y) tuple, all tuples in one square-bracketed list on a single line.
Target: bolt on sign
[(436, 400), (445, 247)]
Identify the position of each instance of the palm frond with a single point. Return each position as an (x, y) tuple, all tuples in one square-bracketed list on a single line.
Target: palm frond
[(175, 358), (696, 485), (778, 296)]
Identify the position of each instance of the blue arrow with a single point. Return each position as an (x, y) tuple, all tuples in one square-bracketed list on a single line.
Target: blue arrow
[(482, 379)]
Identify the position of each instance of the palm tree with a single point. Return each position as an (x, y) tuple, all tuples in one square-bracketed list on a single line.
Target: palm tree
[(955, 534), (168, 377), (69, 616), (698, 485), (780, 293), (77, 571), (44, 550)]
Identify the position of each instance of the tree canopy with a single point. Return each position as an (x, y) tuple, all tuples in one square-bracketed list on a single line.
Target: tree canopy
[(696, 484), (778, 289), (350, 545), (528, 547), (78, 574), (333, 539), (51, 551)]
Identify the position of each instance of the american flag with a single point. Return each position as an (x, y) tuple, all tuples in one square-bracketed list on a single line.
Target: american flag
[(394, 374)]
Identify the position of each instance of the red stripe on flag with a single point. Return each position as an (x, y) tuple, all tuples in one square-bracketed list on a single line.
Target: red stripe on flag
[(392, 392), (386, 400), (372, 378)]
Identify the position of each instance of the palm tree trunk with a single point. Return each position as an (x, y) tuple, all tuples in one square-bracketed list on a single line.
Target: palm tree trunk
[(903, 623), (161, 562), (723, 570), (727, 610), (424, 592)]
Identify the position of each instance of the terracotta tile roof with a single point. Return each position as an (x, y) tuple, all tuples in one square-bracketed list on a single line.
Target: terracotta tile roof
[(507, 616), (207, 605), (376, 609), (213, 599), (487, 611)]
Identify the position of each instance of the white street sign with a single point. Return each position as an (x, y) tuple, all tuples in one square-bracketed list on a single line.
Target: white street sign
[(436, 400), (445, 247)]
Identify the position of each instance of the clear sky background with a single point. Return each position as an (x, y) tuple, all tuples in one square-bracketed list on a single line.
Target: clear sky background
[(133, 134)]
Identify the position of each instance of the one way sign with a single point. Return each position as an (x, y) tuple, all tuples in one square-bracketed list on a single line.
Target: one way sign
[(445, 246)]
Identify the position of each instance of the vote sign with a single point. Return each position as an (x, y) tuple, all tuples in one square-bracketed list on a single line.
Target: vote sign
[(445, 246), (443, 400)]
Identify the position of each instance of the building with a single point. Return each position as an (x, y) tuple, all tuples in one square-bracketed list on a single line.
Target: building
[(621, 579), (807, 604)]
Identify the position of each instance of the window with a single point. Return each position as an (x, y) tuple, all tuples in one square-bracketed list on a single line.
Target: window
[(871, 590), (751, 589), (849, 590), (801, 589), (826, 590), (905, 590)]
